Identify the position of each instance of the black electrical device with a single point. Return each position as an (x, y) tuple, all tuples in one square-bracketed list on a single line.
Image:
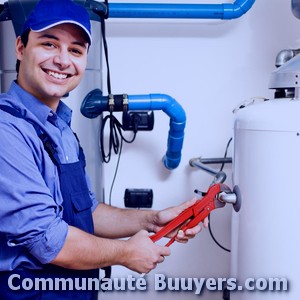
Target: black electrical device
[(138, 120), (138, 198)]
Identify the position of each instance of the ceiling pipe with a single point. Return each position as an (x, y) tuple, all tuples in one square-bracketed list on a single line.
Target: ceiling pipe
[(179, 11)]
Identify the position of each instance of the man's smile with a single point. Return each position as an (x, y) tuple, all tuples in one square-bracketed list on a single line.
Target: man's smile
[(56, 74)]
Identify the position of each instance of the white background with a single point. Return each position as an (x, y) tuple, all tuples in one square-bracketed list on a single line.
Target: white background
[(209, 67)]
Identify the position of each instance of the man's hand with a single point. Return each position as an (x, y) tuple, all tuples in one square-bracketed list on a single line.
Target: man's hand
[(163, 217), (141, 254)]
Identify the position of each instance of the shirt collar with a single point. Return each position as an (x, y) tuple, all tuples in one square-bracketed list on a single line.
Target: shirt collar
[(36, 107), (64, 112)]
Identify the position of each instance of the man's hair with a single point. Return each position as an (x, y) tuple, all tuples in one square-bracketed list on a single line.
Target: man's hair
[(24, 40)]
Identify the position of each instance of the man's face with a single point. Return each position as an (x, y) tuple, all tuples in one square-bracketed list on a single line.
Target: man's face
[(53, 62)]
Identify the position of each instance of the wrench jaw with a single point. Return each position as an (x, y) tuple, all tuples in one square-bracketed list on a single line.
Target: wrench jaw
[(219, 203), (224, 191), (225, 188), (216, 197), (231, 197)]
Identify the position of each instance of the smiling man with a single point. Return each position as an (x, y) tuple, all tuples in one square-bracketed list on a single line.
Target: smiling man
[(52, 63), (51, 224)]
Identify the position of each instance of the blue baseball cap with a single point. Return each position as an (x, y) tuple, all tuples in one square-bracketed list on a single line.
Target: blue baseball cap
[(49, 13)]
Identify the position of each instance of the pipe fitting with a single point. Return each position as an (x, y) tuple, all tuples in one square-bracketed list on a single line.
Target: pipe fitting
[(219, 176), (285, 55), (233, 198), (237, 9), (95, 103)]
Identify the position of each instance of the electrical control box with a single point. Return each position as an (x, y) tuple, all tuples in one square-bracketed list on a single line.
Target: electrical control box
[(138, 120), (138, 198)]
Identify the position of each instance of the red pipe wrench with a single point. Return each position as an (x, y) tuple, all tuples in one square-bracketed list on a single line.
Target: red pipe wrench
[(195, 214)]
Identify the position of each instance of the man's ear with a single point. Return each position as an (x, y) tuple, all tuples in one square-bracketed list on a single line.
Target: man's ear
[(19, 48)]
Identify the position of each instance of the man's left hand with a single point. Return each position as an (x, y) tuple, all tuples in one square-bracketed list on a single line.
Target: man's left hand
[(163, 217)]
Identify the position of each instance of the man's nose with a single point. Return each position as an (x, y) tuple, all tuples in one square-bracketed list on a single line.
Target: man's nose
[(62, 59)]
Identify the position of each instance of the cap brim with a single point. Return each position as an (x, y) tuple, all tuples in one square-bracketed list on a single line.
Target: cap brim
[(39, 29)]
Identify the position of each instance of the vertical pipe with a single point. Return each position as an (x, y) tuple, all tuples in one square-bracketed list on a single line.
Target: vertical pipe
[(177, 116)]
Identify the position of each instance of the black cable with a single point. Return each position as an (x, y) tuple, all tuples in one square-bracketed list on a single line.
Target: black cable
[(115, 137), (225, 155), (105, 48), (114, 125), (209, 226), (214, 239), (115, 174)]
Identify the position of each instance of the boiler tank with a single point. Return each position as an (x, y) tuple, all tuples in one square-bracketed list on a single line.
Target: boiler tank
[(265, 232)]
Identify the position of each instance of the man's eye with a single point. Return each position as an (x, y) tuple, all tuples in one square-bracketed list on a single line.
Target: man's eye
[(76, 51), (48, 45)]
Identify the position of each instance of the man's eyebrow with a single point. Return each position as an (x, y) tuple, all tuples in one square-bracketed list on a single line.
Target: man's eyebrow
[(50, 36), (81, 44)]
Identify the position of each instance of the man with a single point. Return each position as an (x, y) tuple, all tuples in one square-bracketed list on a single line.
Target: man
[(51, 225)]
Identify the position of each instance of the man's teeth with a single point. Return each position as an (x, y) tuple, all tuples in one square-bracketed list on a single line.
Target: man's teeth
[(57, 75)]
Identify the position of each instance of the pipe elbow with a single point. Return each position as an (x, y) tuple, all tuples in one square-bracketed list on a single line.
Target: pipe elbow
[(237, 9), (285, 55), (95, 103), (177, 116), (169, 106)]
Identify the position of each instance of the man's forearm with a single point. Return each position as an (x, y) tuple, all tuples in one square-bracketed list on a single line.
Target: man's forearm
[(83, 251), (112, 222)]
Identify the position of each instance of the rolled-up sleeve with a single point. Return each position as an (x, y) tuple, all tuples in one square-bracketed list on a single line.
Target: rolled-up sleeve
[(46, 245), (31, 212)]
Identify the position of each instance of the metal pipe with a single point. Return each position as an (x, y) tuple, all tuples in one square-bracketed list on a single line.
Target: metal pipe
[(229, 198), (94, 104), (216, 160), (219, 176), (180, 11), (285, 55)]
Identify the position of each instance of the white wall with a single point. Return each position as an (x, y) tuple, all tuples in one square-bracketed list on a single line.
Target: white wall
[(209, 67)]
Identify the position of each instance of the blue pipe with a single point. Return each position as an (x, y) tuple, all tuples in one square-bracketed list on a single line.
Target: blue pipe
[(177, 116), (180, 11), (94, 104)]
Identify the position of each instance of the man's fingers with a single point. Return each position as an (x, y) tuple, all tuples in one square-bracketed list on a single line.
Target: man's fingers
[(165, 251), (205, 222)]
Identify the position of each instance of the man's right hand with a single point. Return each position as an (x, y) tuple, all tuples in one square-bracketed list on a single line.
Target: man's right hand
[(142, 254)]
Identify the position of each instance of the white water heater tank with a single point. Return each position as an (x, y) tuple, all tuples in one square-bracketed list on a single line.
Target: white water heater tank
[(266, 230)]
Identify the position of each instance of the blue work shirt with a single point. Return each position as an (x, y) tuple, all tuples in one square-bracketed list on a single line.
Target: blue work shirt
[(32, 230)]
